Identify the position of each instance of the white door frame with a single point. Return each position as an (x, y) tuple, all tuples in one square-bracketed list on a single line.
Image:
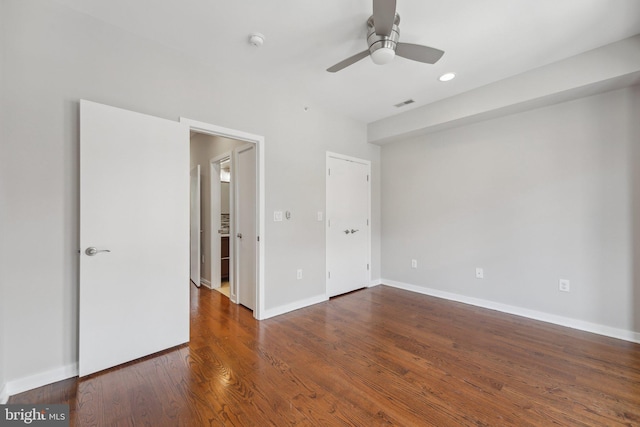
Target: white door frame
[(258, 140), (195, 234), (327, 249), (216, 224)]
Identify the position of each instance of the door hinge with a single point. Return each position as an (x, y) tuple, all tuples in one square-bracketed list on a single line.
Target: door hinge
[(329, 223), (329, 170), (203, 259), (367, 178), (329, 274), (367, 221), (258, 238), (367, 267)]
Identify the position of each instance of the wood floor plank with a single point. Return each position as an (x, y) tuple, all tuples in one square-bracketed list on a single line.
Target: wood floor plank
[(413, 377), (375, 357)]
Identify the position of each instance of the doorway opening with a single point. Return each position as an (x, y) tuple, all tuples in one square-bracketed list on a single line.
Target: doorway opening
[(232, 212), (221, 202)]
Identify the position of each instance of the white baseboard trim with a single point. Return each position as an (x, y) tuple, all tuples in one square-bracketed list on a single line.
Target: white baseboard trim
[(272, 312), (206, 283), (38, 380), (4, 395), (375, 282), (581, 325)]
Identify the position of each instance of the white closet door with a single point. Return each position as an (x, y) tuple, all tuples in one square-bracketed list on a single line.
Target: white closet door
[(348, 236)]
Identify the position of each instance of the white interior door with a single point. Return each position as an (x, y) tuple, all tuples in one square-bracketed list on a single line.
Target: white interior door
[(195, 226), (348, 233), (245, 212), (134, 210)]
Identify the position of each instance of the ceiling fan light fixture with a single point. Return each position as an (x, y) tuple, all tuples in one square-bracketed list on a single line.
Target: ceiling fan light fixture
[(383, 55)]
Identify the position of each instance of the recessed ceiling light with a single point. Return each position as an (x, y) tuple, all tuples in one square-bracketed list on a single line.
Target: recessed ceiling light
[(447, 76)]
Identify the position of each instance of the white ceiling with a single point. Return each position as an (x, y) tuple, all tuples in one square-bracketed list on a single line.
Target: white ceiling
[(484, 41)]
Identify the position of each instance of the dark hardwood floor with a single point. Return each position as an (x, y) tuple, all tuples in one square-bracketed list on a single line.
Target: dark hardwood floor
[(379, 356)]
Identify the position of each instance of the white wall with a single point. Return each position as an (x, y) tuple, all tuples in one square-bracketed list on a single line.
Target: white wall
[(531, 198), (3, 348), (54, 57), (225, 198), (3, 203), (634, 161), (3, 391)]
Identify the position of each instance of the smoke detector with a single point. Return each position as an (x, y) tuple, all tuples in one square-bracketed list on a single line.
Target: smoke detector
[(256, 39)]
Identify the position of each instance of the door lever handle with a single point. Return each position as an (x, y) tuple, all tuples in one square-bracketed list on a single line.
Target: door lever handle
[(353, 231), (239, 235), (91, 251)]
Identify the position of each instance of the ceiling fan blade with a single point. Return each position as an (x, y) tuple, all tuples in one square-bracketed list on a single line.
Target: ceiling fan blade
[(384, 15), (351, 60), (416, 52)]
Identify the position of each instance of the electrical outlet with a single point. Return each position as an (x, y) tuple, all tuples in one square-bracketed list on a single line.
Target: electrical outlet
[(414, 263), (564, 285), (479, 273), (299, 274)]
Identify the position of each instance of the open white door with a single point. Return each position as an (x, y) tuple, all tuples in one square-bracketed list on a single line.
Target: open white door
[(245, 213), (348, 231), (134, 213), (195, 226)]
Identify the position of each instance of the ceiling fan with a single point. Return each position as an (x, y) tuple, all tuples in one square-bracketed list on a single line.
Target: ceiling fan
[(382, 38)]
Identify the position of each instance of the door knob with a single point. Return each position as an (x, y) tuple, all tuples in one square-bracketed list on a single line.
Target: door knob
[(91, 251)]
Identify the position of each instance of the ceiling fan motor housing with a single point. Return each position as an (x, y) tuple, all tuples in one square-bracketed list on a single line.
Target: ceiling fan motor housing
[(382, 47)]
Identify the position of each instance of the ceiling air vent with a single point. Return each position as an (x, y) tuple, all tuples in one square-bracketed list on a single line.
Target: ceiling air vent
[(403, 103)]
